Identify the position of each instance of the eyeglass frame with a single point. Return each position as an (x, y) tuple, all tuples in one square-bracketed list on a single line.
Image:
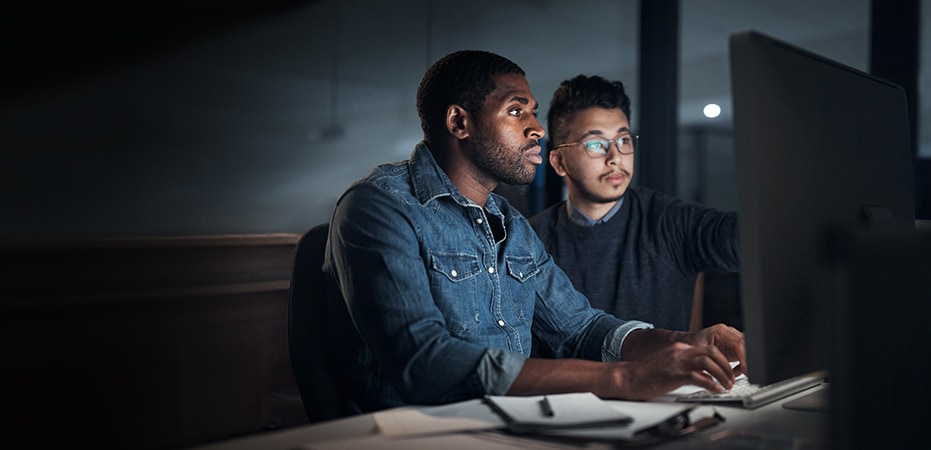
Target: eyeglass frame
[(635, 140)]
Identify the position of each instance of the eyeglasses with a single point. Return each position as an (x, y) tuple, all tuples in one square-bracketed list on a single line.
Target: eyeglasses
[(626, 144)]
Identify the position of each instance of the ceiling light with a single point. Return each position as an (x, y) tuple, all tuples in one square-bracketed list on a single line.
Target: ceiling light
[(712, 110)]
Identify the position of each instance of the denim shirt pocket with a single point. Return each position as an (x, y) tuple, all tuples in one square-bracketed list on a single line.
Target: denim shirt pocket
[(521, 267), (455, 283), (521, 272)]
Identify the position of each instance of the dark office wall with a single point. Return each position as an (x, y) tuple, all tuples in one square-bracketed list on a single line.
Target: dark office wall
[(239, 126), (160, 119), (127, 120), (214, 116)]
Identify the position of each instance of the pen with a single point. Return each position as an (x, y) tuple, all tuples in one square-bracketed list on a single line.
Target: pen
[(545, 407)]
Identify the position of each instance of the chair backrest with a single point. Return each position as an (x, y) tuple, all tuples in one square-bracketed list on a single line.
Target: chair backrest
[(312, 358)]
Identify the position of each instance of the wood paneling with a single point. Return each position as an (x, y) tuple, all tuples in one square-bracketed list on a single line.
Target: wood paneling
[(147, 343)]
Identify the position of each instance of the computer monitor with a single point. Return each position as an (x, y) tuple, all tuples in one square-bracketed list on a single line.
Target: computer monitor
[(820, 146), (879, 277)]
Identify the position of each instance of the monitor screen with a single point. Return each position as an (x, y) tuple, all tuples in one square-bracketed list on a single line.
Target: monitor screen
[(820, 146)]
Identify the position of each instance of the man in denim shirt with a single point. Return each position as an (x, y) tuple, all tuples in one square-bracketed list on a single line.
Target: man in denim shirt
[(446, 282)]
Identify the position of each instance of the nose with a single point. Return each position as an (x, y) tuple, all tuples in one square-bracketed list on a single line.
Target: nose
[(535, 130), (614, 153)]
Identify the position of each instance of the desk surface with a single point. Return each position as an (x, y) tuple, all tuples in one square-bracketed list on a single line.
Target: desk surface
[(773, 426)]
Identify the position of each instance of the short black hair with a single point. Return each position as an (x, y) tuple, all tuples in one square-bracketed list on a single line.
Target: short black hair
[(463, 78), (576, 94)]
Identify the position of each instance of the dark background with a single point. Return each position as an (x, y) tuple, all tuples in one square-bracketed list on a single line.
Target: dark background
[(251, 116)]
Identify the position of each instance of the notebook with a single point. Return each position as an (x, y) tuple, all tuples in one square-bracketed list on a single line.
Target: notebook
[(531, 413)]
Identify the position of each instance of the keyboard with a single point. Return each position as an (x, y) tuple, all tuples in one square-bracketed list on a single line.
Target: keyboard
[(753, 395)]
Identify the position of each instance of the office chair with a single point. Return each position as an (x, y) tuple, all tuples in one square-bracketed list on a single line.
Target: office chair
[(312, 358)]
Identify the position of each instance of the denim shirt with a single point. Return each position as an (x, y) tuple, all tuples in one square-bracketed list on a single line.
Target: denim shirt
[(445, 312)]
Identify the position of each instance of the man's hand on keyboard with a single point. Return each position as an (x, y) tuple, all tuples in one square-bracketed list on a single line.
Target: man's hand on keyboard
[(677, 365), (729, 340), (663, 360)]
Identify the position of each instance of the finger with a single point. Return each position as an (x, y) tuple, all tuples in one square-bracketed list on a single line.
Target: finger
[(742, 362), (720, 367), (739, 369), (733, 346), (741, 351), (705, 380)]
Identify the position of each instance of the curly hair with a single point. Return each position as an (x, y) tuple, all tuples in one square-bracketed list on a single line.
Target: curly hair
[(582, 92), (463, 78)]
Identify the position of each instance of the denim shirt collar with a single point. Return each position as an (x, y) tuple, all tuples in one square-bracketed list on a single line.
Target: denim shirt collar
[(430, 182)]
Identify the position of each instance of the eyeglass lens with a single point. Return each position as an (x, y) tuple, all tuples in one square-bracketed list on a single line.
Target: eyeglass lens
[(626, 145)]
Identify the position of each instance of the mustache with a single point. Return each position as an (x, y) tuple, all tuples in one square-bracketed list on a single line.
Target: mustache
[(532, 144), (621, 170)]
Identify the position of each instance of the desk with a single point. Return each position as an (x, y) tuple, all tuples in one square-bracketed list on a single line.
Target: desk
[(772, 426)]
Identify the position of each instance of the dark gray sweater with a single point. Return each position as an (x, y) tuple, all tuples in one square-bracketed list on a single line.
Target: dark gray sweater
[(642, 263)]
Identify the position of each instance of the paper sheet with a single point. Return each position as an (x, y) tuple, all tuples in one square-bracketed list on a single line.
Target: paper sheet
[(473, 424), (463, 416)]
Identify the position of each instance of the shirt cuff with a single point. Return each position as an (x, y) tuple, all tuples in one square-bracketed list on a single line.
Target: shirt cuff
[(497, 370), (614, 340)]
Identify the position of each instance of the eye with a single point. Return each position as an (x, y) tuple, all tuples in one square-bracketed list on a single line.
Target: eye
[(596, 145), (516, 112), (623, 140)]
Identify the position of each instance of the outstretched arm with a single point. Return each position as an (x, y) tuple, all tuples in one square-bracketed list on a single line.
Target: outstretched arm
[(668, 367), (656, 361)]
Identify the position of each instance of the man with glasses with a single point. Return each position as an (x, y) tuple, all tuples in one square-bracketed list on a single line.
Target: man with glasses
[(446, 283), (634, 252)]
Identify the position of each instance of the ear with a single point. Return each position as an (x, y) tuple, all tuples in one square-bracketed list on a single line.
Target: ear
[(457, 121), (556, 160)]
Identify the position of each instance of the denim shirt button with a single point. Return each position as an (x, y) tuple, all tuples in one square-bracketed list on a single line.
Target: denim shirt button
[(478, 221), (453, 272), (491, 270), (500, 323)]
